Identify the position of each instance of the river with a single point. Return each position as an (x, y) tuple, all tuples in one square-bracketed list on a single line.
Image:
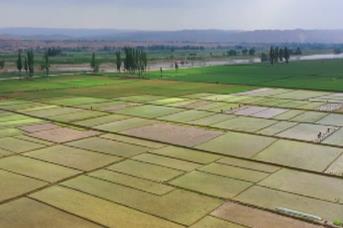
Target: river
[(191, 64)]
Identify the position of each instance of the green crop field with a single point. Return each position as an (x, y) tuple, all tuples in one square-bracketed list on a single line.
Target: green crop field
[(107, 86), (317, 75)]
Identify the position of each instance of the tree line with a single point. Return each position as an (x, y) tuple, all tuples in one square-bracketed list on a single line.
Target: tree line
[(244, 52), (279, 55), (132, 60), (26, 62)]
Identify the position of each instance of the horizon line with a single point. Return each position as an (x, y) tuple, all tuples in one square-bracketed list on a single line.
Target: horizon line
[(171, 30)]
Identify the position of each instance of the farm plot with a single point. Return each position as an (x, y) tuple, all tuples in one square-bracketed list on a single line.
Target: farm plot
[(29, 210), (189, 104), (36, 169), (169, 101), (167, 162), (301, 94), (270, 113), (237, 144), (211, 120), (332, 119), (169, 165), (277, 128), (220, 107), (141, 98), (299, 155), (72, 157), (149, 111), (74, 101), (9, 120), (4, 153), (17, 145), (226, 98), (174, 134), (52, 111), (38, 127), (62, 134), (145, 170), (249, 110), (107, 146), (101, 120), (309, 117), (111, 106), (177, 206), (335, 139), (76, 116), (308, 132), (186, 154), (306, 184), (26, 105), (13, 185), (211, 184), (133, 182), (6, 132), (289, 115), (186, 116), (336, 168), (246, 124), (271, 199), (101, 210), (252, 217), (122, 125), (264, 92), (134, 141), (210, 221)]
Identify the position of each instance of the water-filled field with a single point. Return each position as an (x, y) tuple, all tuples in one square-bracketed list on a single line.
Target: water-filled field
[(190, 156)]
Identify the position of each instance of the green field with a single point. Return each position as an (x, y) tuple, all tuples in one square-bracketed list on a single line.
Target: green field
[(107, 87), (317, 75)]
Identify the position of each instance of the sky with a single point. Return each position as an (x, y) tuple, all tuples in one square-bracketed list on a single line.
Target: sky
[(173, 14)]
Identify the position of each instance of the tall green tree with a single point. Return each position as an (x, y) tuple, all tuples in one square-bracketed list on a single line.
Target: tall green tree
[(118, 61), (46, 63), (31, 62), (2, 64), (145, 60), (176, 65), (232, 52), (287, 54), (252, 51), (298, 51), (26, 65), (271, 55), (245, 51), (136, 60), (281, 55), (19, 62), (94, 65), (276, 55)]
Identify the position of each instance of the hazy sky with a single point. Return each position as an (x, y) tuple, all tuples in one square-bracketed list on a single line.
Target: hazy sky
[(173, 14)]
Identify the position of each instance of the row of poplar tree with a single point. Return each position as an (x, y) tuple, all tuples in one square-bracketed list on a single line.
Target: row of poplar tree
[(277, 54), (135, 60), (26, 61)]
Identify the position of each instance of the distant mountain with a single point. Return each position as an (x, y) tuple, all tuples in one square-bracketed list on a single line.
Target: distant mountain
[(232, 36)]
